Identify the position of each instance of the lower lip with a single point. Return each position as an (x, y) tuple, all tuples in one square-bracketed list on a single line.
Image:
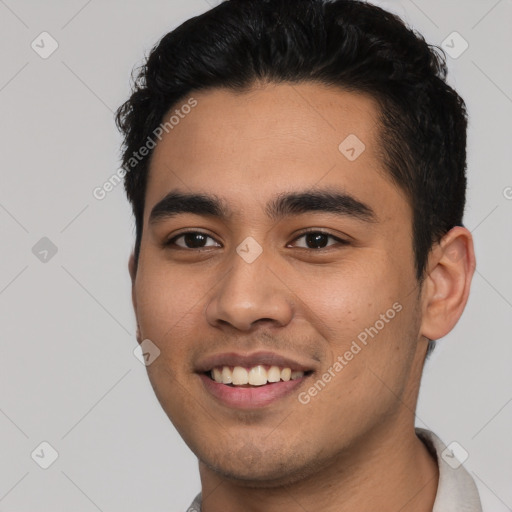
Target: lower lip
[(250, 398)]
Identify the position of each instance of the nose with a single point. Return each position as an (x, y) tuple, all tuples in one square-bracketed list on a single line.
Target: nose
[(250, 294)]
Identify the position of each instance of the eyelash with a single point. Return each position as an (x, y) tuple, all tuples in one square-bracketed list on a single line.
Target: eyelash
[(172, 242)]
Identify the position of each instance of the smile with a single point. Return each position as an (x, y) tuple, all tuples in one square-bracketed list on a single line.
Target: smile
[(258, 375), (252, 381)]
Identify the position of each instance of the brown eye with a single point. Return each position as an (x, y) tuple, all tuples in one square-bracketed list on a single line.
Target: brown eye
[(191, 240), (318, 240)]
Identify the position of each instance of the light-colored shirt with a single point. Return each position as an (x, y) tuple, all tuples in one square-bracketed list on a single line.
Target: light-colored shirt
[(456, 489)]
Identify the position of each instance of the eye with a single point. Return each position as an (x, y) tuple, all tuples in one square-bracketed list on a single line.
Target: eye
[(191, 240), (318, 240), (198, 240)]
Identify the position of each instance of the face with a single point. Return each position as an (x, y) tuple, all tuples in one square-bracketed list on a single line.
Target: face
[(296, 259)]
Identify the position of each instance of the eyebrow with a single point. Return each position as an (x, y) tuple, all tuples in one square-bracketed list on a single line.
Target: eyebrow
[(283, 205)]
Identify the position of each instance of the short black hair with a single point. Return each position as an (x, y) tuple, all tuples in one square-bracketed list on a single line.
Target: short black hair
[(348, 44)]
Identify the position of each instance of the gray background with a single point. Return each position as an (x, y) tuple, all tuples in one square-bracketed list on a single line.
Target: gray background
[(68, 374)]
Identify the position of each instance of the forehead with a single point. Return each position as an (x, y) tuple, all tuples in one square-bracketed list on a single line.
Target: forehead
[(274, 138)]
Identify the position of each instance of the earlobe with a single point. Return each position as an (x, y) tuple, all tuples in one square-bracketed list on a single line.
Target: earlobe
[(131, 268), (445, 293), (132, 271)]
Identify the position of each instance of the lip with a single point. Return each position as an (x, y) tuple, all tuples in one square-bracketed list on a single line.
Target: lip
[(249, 360), (257, 396), (250, 397)]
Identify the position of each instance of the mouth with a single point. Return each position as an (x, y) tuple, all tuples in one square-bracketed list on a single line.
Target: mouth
[(251, 381)]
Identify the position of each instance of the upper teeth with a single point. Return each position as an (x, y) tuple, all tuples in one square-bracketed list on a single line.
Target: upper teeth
[(256, 375)]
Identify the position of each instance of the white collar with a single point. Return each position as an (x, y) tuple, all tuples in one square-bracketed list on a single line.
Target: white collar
[(456, 489)]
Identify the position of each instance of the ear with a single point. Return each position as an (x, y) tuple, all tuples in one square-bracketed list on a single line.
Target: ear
[(451, 266), (133, 272)]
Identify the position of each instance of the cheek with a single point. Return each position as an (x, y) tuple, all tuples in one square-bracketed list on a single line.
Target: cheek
[(168, 303), (368, 317), (352, 297)]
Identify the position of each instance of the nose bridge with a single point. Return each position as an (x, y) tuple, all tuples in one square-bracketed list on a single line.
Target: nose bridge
[(250, 291)]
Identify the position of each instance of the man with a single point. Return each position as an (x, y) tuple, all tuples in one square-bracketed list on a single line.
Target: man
[(297, 175)]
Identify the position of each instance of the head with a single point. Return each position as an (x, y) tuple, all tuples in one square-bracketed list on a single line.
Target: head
[(278, 116)]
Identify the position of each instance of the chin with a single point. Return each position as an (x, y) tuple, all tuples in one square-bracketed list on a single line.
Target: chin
[(253, 468)]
